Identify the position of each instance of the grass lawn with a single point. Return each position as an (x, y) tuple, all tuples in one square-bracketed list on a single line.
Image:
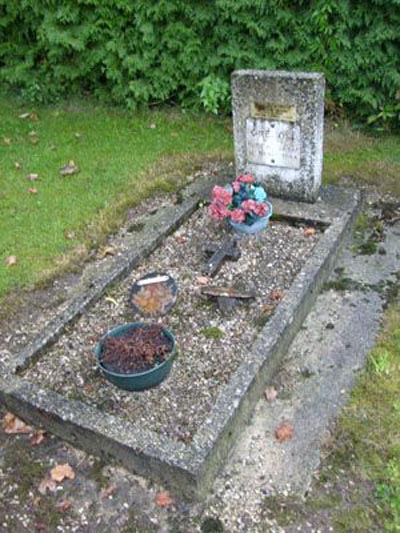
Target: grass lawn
[(122, 156)]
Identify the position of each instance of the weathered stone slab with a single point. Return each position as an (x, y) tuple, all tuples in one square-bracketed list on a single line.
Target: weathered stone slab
[(278, 130), (188, 468)]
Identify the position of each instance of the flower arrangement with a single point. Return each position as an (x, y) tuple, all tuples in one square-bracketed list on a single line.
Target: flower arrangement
[(242, 202)]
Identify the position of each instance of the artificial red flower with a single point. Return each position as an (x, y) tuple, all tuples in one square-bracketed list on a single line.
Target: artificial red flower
[(221, 195), (218, 210), (245, 178), (249, 206), (237, 215), (236, 186)]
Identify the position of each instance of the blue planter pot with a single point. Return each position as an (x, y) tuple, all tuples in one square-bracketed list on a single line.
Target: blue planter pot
[(260, 224), (143, 380)]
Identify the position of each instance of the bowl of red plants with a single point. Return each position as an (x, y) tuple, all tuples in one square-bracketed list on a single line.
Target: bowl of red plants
[(136, 356)]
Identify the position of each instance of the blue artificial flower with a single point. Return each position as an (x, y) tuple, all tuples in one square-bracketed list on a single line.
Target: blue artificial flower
[(259, 194)]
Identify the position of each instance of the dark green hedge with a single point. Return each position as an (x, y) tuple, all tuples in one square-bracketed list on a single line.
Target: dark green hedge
[(153, 51)]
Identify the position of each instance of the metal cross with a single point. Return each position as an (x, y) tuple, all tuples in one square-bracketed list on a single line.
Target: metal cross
[(229, 249)]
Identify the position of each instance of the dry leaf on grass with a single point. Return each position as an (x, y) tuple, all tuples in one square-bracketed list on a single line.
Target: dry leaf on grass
[(14, 425), (11, 260), (270, 394), (310, 231), (32, 116), (33, 137), (32, 190), (163, 499), (63, 505), (69, 169), (18, 165), (61, 472), (69, 234), (32, 176), (47, 484), (284, 432), (7, 140), (107, 250)]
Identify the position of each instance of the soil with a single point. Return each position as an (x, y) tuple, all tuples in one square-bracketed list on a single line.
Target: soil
[(138, 350)]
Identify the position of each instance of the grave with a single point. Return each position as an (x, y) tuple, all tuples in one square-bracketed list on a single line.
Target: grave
[(278, 130), (180, 432), (54, 382)]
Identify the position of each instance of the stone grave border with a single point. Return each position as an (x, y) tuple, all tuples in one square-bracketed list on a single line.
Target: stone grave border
[(186, 468)]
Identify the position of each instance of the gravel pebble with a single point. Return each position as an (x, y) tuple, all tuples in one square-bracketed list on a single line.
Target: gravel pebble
[(268, 264)]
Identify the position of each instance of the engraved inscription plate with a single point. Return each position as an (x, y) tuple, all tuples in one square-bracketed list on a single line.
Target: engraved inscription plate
[(268, 110), (273, 143)]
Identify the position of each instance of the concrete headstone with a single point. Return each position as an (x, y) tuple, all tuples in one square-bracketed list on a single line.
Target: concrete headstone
[(278, 122)]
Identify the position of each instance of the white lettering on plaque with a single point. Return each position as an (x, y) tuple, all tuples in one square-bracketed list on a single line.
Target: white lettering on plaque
[(273, 142)]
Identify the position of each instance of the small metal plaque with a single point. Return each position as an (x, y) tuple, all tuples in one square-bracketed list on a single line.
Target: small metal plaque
[(273, 143), (154, 294), (270, 111)]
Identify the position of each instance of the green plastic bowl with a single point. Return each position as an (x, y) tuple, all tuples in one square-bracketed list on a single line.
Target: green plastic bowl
[(143, 380)]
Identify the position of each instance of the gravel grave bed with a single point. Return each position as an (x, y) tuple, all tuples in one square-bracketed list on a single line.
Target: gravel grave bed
[(211, 343)]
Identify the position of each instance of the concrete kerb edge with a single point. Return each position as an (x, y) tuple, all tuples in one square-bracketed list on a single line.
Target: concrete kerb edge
[(236, 402), (187, 469), (141, 451), (157, 230)]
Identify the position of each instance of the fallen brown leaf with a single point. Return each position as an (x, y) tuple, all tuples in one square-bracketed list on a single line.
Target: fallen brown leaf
[(163, 499), (32, 177), (267, 309), (277, 295), (107, 250), (14, 425), (32, 190), (61, 472), (310, 231), (108, 491), (69, 234), (270, 394), (47, 484), (33, 137), (63, 505), (69, 169), (11, 260), (284, 432), (37, 437)]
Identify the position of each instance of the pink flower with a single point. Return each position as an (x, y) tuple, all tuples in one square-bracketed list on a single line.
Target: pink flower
[(261, 209), (245, 178), (249, 206), (221, 195), (257, 208), (218, 210), (237, 215), (236, 186)]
